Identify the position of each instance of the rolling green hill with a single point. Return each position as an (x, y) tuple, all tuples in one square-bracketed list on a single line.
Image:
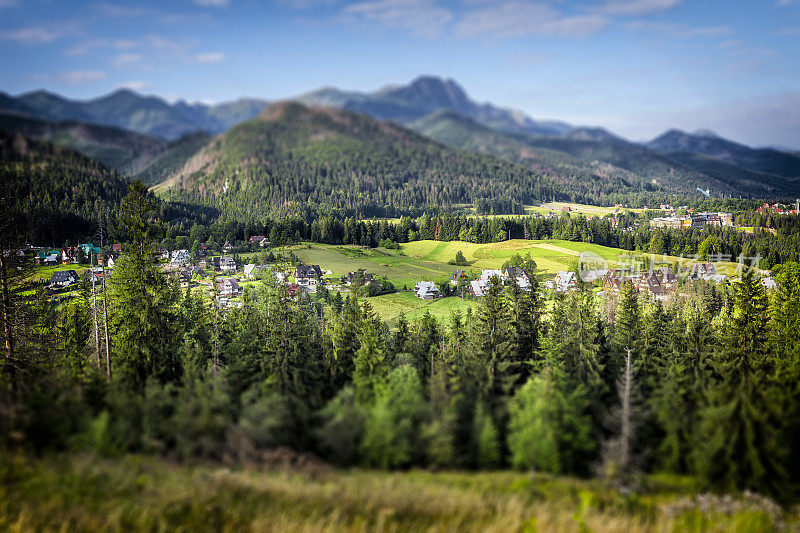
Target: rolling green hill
[(148, 158)]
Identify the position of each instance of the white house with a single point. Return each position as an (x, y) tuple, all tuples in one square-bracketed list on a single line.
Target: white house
[(564, 280), (252, 270), (180, 257), (487, 275), (426, 290), (476, 289)]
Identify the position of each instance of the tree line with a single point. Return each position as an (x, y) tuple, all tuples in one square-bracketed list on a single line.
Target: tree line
[(564, 383)]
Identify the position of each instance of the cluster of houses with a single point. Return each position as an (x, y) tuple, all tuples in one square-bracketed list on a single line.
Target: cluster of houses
[(694, 221), (780, 209), (478, 287), (70, 255), (659, 284)]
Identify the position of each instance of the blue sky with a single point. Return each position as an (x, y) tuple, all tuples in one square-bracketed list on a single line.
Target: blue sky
[(636, 67)]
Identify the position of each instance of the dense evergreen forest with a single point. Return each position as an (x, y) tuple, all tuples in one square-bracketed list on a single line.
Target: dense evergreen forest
[(562, 383), (57, 193)]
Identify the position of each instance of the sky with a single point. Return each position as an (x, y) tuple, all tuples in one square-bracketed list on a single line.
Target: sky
[(636, 67)]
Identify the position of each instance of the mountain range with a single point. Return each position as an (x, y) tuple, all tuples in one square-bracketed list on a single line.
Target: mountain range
[(148, 115), (675, 162)]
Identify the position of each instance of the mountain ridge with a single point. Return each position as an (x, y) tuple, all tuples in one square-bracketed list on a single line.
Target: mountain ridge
[(127, 109)]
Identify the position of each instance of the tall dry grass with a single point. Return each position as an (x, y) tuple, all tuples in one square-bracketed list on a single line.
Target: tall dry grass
[(85, 493)]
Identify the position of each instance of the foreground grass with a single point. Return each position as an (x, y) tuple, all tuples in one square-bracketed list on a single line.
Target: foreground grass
[(85, 493)]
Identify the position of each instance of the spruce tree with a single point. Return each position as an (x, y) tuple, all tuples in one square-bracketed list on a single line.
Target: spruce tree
[(738, 444), (143, 314)]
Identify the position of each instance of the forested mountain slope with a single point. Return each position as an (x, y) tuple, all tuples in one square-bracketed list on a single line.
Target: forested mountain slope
[(151, 159), (766, 160), (611, 164), (123, 150), (297, 159), (58, 192)]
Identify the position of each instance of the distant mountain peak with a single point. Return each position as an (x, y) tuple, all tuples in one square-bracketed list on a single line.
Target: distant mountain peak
[(707, 133), (433, 93)]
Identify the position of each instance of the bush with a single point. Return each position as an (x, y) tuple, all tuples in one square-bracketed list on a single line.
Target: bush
[(392, 434), (342, 428)]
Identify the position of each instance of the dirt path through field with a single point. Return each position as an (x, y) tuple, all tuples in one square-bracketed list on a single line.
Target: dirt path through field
[(554, 248)]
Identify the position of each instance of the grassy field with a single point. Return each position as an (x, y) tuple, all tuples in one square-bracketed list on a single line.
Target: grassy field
[(46, 272), (85, 493), (550, 255), (584, 209), (390, 306), (399, 269)]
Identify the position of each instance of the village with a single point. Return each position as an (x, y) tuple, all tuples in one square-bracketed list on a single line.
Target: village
[(226, 275)]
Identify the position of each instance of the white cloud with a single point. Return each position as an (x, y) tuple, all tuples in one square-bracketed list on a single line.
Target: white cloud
[(636, 7), (210, 57), (731, 43), (30, 35), (522, 18), (305, 4), (124, 60), (795, 30), (787, 3), (107, 9), (422, 17), (212, 3), (8, 3), (679, 31), (73, 77)]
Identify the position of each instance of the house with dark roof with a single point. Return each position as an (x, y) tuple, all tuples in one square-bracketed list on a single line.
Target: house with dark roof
[(458, 275), (650, 284), (224, 263), (62, 279), (308, 276), (359, 277), (228, 287), (519, 275), (667, 278)]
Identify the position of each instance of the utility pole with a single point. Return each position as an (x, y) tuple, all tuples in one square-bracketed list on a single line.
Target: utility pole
[(94, 314), (105, 307)]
